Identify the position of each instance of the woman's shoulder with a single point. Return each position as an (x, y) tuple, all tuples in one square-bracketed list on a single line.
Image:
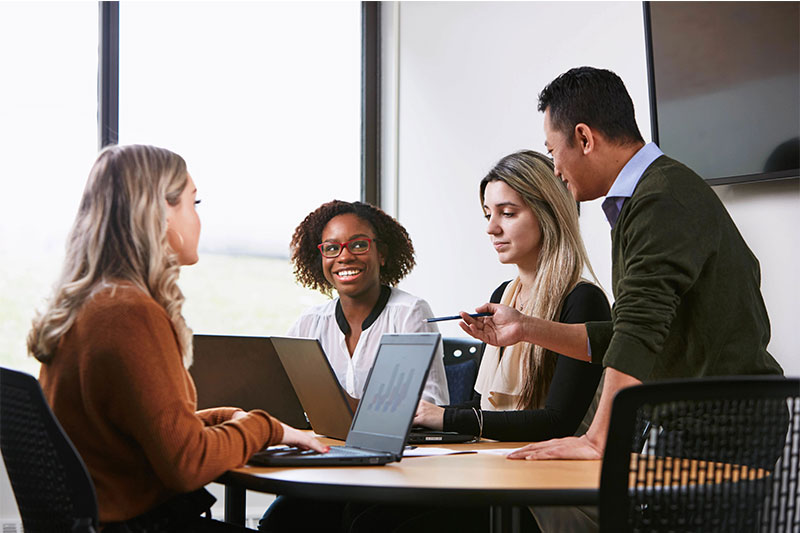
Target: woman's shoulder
[(312, 317), (323, 309), (121, 321), (586, 288), (404, 305), (497, 295), (585, 303), (120, 302), (401, 297)]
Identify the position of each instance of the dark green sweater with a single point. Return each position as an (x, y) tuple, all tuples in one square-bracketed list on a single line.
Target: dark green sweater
[(687, 287)]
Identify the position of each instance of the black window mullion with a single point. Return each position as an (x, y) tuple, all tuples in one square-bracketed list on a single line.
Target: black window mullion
[(108, 75), (370, 102)]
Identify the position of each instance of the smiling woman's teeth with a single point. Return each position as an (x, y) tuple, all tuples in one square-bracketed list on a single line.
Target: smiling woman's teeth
[(348, 273)]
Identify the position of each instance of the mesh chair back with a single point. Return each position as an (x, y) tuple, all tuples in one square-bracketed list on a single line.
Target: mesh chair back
[(462, 356), (704, 455), (51, 484)]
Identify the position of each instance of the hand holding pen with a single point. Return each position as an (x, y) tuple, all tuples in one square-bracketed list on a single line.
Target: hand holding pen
[(454, 317), (495, 324)]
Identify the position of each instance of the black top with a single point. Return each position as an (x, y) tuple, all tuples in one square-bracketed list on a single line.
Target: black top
[(571, 391)]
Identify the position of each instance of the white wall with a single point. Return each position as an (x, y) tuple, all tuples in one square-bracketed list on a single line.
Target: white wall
[(461, 83), (468, 78)]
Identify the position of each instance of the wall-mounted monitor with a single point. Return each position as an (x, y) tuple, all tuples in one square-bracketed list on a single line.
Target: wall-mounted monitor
[(725, 87)]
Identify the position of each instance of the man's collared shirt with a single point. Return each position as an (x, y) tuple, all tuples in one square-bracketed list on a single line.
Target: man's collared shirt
[(626, 181)]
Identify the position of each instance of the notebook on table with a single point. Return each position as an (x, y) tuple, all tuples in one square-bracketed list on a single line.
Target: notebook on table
[(383, 419), (328, 407), (244, 372)]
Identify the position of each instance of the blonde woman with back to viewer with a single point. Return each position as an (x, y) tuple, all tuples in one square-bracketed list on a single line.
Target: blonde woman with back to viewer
[(115, 348)]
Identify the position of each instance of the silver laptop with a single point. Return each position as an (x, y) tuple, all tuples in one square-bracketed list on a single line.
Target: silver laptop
[(383, 419), (328, 407), (244, 372)]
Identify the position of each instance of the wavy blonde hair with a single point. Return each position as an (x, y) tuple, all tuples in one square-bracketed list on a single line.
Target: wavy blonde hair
[(562, 257), (119, 235)]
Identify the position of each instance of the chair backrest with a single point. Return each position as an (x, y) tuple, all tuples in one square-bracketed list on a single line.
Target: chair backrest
[(462, 357), (51, 484), (713, 454)]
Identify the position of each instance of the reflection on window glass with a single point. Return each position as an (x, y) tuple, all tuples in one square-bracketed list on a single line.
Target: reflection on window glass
[(48, 134), (263, 102)]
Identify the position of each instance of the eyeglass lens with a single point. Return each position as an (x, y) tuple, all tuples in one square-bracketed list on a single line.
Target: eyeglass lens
[(333, 249)]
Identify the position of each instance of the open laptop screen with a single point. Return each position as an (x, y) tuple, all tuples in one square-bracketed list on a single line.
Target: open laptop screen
[(393, 390), (244, 372)]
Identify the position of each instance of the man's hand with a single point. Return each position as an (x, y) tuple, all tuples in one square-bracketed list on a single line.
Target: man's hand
[(429, 415), (503, 328), (565, 448)]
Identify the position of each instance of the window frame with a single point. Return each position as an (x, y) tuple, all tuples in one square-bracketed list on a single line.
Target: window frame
[(108, 90)]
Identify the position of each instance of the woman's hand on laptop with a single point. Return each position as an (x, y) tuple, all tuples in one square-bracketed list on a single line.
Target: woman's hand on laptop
[(302, 439), (429, 415)]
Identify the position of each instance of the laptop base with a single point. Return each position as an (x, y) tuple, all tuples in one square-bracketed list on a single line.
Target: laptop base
[(337, 456), (422, 436)]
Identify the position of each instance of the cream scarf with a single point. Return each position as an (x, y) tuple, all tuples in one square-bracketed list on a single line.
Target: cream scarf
[(501, 379)]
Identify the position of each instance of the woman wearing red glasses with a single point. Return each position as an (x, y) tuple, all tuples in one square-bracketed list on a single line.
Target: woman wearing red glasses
[(360, 252)]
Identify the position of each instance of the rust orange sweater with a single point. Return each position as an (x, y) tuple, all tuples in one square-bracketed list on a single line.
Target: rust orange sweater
[(118, 386)]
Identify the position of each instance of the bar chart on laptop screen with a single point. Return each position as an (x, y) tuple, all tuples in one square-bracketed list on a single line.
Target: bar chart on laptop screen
[(390, 398)]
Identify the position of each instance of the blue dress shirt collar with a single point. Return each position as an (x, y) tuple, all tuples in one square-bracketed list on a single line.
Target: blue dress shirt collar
[(627, 179)]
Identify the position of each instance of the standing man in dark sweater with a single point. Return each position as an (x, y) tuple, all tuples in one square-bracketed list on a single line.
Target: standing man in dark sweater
[(687, 287)]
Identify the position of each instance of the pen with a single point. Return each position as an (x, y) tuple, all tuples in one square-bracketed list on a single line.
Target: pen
[(454, 317)]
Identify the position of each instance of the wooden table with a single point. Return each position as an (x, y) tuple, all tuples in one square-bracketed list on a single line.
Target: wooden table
[(468, 479)]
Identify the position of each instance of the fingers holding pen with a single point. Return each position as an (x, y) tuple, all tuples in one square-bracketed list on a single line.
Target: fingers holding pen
[(473, 324), (502, 327), (480, 316)]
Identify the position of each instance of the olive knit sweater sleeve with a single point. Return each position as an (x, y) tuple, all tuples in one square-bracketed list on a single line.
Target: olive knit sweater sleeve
[(119, 388)]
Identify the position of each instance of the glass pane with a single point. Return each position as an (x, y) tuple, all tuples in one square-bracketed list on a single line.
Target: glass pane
[(263, 102), (48, 134)]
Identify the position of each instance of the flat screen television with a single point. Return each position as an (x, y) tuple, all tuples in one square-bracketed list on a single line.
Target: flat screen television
[(724, 81)]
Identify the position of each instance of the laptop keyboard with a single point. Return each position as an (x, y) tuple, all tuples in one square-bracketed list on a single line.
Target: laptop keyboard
[(297, 452)]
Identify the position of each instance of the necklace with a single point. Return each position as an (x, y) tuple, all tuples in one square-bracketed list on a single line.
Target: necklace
[(521, 297)]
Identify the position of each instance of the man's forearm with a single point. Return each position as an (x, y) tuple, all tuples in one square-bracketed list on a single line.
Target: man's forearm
[(613, 382), (567, 339)]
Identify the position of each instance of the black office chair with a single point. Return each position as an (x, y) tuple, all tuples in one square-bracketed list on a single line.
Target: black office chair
[(462, 357), (704, 455), (51, 484)]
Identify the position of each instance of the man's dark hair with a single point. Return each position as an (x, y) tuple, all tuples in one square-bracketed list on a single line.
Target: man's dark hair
[(595, 97)]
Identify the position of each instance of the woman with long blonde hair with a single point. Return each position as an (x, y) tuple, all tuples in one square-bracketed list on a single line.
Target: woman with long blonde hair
[(524, 392), (114, 349)]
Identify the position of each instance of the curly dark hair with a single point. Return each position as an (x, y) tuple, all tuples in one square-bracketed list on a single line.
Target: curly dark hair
[(392, 240)]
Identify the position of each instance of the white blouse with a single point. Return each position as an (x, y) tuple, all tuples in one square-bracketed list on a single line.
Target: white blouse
[(403, 313)]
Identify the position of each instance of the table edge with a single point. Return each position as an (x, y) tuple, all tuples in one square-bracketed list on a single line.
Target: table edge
[(410, 495)]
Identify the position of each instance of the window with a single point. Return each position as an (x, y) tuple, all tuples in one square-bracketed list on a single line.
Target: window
[(48, 113), (263, 102)]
